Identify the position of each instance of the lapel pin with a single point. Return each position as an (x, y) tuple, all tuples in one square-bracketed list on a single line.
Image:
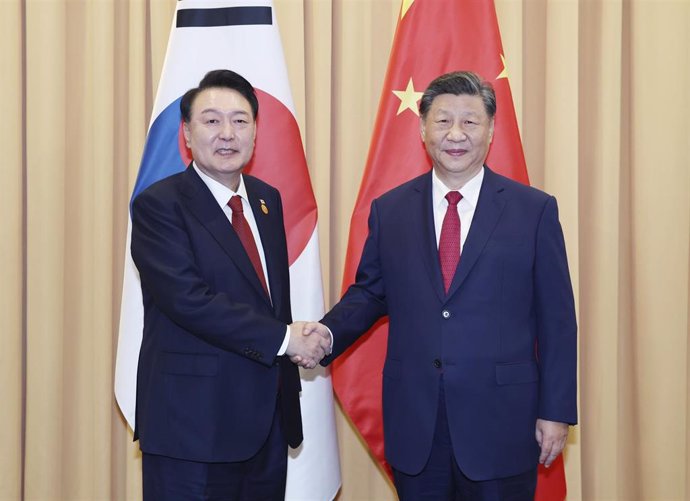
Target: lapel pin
[(264, 209)]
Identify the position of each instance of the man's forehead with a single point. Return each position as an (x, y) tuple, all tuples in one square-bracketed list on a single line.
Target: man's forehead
[(217, 98), (466, 103), (447, 98)]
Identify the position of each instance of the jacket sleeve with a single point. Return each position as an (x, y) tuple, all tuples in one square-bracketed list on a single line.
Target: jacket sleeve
[(364, 302), (556, 322)]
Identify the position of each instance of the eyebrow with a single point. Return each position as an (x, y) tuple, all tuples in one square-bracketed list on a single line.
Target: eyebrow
[(216, 110)]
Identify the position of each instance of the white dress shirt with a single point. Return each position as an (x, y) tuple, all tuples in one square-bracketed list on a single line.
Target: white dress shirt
[(466, 206)]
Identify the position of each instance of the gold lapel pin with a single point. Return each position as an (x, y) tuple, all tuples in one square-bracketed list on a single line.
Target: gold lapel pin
[(264, 209)]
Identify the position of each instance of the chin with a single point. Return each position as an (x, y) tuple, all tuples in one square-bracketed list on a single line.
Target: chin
[(230, 169)]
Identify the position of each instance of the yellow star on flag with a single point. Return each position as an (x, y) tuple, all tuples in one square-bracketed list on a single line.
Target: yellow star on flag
[(405, 7), (408, 98), (504, 72)]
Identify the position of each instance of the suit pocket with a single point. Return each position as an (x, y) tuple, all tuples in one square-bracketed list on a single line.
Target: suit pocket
[(517, 373), (190, 364), (391, 369)]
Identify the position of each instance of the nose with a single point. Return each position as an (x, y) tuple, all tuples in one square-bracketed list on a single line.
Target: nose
[(227, 131), (457, 133)]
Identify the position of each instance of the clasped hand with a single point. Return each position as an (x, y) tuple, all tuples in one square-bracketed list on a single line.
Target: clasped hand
[(309, 343)]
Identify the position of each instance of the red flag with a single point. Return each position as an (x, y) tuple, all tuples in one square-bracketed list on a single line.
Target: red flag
[(432, 38)]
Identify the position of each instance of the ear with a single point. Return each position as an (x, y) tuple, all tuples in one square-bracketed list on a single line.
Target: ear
[(491, 130), (186, 132), (422, 129)]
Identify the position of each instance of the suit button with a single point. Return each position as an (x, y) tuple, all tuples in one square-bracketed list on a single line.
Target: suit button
[(445, 314), (437, 363)]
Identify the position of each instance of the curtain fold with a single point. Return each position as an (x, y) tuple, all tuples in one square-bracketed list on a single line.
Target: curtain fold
[(600, 173), (601, 94), (12, 251), (47, 395)]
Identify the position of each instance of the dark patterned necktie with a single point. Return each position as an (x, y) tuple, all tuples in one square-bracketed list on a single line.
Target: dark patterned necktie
[(449, 243), (239, 223)]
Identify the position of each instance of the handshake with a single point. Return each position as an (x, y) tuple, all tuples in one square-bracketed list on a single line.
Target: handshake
[(309, 343)]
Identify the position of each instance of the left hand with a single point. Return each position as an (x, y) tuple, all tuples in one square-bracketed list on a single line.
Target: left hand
[(551, 437)]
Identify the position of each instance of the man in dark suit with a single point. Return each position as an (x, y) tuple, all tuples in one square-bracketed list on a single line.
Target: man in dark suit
[(217, 397), (479, 381)]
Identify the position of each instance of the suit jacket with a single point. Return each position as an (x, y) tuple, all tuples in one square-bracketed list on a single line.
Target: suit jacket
[(503, 338), (208, 375)]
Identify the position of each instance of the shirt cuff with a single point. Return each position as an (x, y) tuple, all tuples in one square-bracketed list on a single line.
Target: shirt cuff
[(283, 347), (331, 334)]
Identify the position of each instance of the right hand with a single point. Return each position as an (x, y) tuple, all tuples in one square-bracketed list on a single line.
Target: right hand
[(305, 349)]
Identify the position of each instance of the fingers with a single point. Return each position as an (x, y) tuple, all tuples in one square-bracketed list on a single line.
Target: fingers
[(321, 330), (309, 327), (316, 327), (550, 453), (547, 455), (551, 437)]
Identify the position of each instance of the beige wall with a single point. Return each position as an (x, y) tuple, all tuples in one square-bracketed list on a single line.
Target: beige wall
[(601, 93)]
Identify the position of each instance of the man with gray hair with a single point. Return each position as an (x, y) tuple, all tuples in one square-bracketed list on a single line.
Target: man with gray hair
[(479, 381)]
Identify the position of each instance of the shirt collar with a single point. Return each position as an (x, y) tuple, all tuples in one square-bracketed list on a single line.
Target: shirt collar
[(220, 192), (469, 192)]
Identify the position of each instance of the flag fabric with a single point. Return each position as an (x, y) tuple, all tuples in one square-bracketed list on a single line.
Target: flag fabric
[(242, 35), (432, 37)]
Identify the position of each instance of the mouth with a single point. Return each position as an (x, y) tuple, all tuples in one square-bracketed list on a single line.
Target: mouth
[(456, 152), (226, 152)]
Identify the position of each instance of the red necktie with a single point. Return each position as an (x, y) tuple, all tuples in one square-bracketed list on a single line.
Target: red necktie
[(239, 223), (449, 243)]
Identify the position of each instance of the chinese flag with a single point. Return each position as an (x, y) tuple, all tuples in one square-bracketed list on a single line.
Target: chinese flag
[(432, 37)]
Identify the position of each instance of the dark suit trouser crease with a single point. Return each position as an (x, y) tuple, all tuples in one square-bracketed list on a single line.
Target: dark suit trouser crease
[(260, 478), (442, 480)]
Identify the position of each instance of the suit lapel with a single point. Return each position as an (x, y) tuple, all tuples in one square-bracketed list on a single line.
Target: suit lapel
[(271, 244), (201, 203), (489, 208), (426, 230)]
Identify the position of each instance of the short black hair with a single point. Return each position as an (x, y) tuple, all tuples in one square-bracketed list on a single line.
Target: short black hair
[(224, 79), (459, 83)]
